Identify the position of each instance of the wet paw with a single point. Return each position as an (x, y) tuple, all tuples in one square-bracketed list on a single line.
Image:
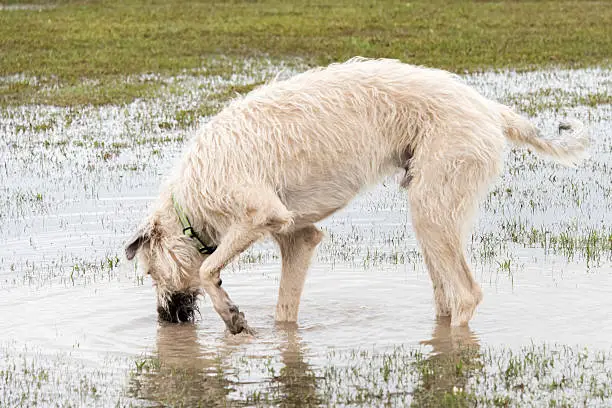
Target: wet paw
[(463, 313), (237, 322), (285, 313)]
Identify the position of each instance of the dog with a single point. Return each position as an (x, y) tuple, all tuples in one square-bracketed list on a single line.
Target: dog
[(293, 152)]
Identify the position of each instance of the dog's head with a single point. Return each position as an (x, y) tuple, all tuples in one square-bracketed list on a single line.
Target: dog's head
[(173, 261)]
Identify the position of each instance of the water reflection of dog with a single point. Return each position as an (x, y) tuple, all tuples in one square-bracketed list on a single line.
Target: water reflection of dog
[(445, 373), (447, 339), (297, 380), (185, 373)]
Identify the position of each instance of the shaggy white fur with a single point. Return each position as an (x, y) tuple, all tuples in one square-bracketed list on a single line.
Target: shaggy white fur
[(293, 152)]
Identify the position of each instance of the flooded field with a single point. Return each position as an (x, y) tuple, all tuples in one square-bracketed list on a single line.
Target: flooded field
[(78, 323)]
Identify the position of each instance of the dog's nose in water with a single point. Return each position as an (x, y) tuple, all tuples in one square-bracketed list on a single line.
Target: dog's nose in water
[(181, 307)]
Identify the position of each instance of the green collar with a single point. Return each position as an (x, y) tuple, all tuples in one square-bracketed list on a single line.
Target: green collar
[(188, 229)]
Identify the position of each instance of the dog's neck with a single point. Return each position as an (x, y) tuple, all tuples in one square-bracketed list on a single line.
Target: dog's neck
[(190, 222), (189, 230)]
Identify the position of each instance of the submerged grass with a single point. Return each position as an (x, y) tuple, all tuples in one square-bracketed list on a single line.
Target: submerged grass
[(460, 376), (465, 375), (83, 52), (591, 245), (30, 378)]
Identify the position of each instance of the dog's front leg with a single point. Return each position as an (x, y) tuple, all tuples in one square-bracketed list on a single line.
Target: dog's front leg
[(236, 240)]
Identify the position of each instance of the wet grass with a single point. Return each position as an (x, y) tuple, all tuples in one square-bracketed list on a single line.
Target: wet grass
[(592, 246), (76, 53), (31, 378), (155, 71), (535, 375), (136, 138), (444, 372), (558, 100), (570, 243)]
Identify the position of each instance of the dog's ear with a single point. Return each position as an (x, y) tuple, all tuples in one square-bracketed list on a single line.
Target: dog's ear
[(134, 243)]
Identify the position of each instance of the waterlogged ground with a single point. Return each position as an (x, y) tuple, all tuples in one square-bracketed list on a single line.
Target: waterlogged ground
[(78, 324)]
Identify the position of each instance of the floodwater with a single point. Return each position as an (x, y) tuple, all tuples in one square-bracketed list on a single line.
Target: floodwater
[(76, 182)]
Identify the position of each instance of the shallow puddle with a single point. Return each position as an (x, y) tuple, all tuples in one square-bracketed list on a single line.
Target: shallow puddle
[(71, 305)]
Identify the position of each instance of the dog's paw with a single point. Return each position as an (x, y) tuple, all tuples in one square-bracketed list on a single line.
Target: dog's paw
[(237, 322)]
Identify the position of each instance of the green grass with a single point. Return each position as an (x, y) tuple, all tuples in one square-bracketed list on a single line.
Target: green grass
[(104, 42), (556, 100)]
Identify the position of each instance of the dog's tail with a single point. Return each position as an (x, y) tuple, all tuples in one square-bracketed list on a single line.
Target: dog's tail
[(569, 149)]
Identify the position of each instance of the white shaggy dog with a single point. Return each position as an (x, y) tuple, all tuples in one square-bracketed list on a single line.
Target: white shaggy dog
[(293, 152)]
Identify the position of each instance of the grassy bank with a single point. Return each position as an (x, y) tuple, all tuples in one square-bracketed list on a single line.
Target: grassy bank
[(88, 49)]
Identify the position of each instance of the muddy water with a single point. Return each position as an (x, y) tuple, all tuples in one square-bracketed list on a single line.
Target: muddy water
[(74, 190)]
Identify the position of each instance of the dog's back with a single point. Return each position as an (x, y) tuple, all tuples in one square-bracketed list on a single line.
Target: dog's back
[(354, 121)]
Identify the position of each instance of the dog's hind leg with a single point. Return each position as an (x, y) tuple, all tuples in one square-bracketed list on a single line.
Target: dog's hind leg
[(264, 218), (297, 248), (443, 199)]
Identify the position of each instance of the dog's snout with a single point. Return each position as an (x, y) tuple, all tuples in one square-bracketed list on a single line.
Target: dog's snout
[(179, 307)]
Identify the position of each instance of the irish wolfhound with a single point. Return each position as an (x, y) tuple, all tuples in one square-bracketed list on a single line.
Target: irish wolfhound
[(293, 152)]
